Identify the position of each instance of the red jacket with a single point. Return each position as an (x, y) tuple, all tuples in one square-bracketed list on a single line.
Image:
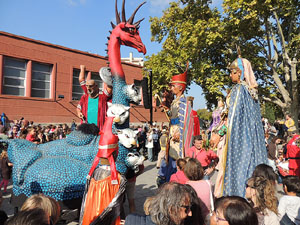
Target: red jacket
[(293, 154)]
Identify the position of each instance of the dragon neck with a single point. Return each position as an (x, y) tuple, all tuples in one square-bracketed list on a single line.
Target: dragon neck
[(114, 56)]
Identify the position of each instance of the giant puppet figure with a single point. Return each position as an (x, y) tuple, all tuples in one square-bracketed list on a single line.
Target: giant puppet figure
[(181, 127), (245, 147), (103, 195)]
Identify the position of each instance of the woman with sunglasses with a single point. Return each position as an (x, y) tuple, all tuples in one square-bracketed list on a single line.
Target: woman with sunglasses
[(174, 204), (262, 195), (233, 210)]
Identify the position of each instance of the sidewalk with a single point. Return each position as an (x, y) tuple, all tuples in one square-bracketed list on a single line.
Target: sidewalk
[(145, 187)]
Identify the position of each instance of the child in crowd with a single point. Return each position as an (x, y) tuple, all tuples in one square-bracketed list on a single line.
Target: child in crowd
[(289, 205), (6, 169), (49, 205), (179, 176)]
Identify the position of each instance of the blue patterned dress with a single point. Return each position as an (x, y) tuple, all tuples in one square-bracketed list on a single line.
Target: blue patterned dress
[(245, 146)]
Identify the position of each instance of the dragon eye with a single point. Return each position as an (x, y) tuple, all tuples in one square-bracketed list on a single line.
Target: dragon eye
[(131, 30)]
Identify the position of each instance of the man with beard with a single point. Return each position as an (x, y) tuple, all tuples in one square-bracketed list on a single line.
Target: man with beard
[(92, 106)]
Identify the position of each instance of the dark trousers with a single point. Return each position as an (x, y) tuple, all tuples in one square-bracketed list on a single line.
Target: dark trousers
[(286, 220)]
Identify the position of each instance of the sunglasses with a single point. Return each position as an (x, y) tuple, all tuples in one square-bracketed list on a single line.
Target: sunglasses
[(247, 185), (187, 208)]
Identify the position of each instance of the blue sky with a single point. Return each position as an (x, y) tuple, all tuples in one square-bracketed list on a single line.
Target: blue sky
[(82, 24)]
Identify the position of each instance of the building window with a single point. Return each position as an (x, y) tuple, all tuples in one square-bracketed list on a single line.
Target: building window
[(14, 76), (41, 80), (77, 91)]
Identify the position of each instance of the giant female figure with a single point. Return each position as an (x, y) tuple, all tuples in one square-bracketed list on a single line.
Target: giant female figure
[(245, 147)]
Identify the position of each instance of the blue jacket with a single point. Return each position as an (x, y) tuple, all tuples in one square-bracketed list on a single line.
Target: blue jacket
[(135, 219)]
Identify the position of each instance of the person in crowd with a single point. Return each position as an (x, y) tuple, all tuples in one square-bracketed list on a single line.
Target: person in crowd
[(272, 152), (6, 169), (289, 204), (3, 215), (49, 205), (30, 217), (195, 173), (262, 195), (164, 142), (73, 125), (233, 210), (245, 147), (93, 104), (207, 158), (130, 186), (179, 176), (293, 154), (3, 135), (14, 133), (156, 136), (149, 145), (171, 205), (4, 120), (289, 125), (31, 136)]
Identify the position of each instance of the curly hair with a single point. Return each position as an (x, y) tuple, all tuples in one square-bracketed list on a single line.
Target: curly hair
[(265, 193), (164, 207), (266, 171)]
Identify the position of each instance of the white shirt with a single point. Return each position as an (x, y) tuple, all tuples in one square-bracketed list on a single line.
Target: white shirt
[(289, 205), (270, 218), (149, 140)]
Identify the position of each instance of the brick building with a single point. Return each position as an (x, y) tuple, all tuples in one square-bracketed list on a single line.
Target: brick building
[(39, 80)]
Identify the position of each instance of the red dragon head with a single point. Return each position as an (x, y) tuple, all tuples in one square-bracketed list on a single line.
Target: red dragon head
[(128, 32)]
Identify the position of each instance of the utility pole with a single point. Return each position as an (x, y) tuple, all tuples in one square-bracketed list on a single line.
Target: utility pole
[(150, 90)]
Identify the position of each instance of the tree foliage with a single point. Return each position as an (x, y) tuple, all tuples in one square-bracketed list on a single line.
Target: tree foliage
[(204, 114), (267, 32)]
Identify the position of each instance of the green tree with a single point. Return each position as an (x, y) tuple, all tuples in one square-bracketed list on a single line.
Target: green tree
[(267, 32), (204, 114), (191, 33)]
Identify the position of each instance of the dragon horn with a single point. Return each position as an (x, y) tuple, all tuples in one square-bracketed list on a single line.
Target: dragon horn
[(130, 20), (123, 12), (113, 26), (117, 14), (138, 22)]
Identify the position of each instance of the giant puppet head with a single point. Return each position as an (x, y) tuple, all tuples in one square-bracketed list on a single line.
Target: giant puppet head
[(127, 31), (178, 82)]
